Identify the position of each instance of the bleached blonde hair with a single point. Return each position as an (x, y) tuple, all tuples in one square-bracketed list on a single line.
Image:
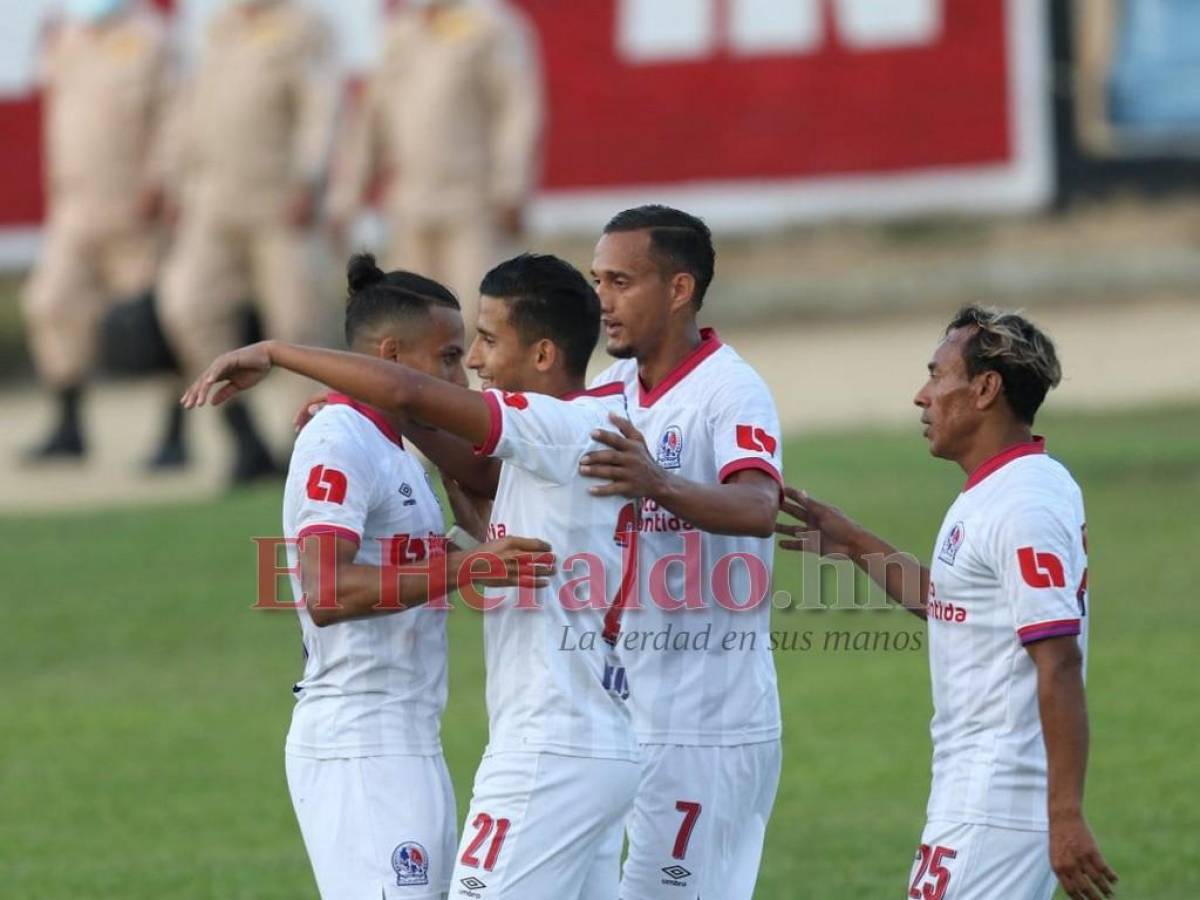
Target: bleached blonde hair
[(1010, 345)]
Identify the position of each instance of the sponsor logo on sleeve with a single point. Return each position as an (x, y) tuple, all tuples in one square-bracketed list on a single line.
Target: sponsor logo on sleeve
[(1041, 570), (756, 440), (327, 484)]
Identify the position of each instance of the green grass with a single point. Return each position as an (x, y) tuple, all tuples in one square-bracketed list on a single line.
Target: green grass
[(144, 704)]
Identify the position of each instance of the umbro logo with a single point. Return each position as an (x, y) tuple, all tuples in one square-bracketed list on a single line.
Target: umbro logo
[(472, 883), (676, 873), (406, 492)]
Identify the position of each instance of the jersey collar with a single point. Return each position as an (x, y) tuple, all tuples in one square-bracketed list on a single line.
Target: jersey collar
[(1003, 458), (709, 344), (378, 419)]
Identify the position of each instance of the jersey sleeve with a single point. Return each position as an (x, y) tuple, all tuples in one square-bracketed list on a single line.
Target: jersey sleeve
[(1043, 570), (335, 482), (746, 432), (543, 435)]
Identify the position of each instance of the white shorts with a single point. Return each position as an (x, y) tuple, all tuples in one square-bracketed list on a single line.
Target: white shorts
[(376, 827), (699, 820), (544, 827), (981, 862)]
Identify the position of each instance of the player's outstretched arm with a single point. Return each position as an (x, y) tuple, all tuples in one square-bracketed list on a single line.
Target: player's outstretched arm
[(745, 505), (453, 456), (827, 531), (337, 589), (386, 385), (1074, 854)]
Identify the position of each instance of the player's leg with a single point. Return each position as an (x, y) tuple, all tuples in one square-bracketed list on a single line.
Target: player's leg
[(603, 878), (748, 781), (537, 822), (671, 824), (378, 827), (978, 862), (61, 304), (699, 821)]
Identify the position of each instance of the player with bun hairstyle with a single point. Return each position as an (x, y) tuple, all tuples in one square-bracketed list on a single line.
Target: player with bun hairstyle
[(560, 770), (364, 759)]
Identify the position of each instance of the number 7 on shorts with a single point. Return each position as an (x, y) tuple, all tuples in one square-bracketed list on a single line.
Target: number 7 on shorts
[(691, 812)]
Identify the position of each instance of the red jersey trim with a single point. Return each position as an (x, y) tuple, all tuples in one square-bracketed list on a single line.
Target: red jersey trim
[(709, 344), (488, 447), (605, 390), (1003, 458), (341, 531), (378, 419), (1043, 630), (751, 462)]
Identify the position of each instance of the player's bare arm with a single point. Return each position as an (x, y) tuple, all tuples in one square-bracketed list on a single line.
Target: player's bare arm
[(385, 385), (1074, 854), (357, 591), (746, 504), (454, 457), (827, 531)]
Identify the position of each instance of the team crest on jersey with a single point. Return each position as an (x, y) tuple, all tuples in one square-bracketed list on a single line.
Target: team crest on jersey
[(411, 863), (670, 448), (952, 544)]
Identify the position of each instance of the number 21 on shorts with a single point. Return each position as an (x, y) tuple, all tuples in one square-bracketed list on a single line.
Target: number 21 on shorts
[(932, 877), (483, 826)]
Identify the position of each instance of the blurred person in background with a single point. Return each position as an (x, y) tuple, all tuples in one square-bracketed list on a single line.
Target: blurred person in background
[(106, 77), (453, 113), (252, 138)]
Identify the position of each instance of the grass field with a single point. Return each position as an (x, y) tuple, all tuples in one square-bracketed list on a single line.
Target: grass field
[(144, 703)]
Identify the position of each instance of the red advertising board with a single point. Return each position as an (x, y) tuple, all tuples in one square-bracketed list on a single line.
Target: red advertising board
[(752, 112)]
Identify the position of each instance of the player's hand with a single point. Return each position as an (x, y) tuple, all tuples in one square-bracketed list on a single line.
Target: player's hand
[(311, 407), (1077, 862), (239, 369), (822, 529), (628, 466), (527, 562)]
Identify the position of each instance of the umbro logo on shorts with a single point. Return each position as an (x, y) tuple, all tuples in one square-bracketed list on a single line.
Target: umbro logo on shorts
[(471, 883), (676, 874)]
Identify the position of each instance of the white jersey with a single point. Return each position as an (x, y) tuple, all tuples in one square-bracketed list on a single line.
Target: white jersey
[(552, 679), (374, 686), (1009, 568), (702, 674)]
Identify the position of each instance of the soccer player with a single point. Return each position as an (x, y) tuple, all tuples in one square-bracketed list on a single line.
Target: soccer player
[(364, 758), (560, 769), (1006, 603), (696, 645)]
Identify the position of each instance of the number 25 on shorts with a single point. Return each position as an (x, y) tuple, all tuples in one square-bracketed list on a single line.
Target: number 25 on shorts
[(932, 877), (483, 826)]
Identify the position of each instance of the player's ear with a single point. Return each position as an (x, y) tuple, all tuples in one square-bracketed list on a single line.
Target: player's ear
[(545, 355), (683, 290), (989, 388), (389, 348)]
